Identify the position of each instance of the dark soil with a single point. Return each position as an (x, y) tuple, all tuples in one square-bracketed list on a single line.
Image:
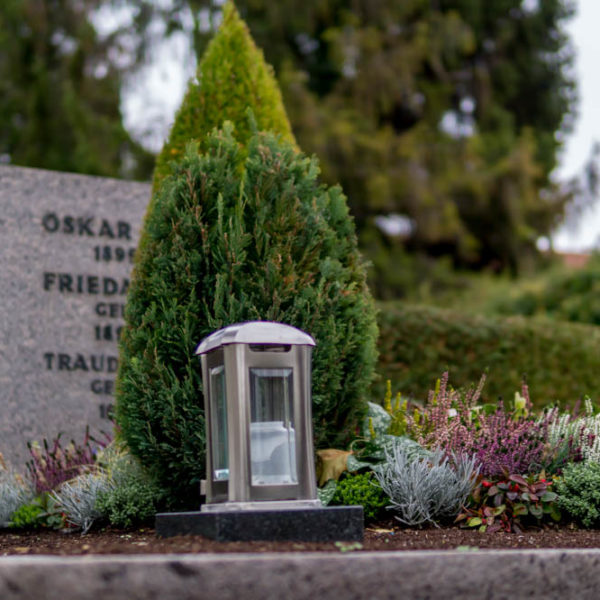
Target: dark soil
[(382, 538)]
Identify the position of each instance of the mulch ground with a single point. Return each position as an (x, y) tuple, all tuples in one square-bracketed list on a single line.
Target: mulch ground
[(383, 538)]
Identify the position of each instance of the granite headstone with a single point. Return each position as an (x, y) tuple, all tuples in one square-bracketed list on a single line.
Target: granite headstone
[(67, 248)]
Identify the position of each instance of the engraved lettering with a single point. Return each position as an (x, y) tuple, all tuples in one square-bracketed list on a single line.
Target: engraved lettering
[(49, 279), (124, 230), (50, 222), (106, 230), (67, 283), (48, 357)]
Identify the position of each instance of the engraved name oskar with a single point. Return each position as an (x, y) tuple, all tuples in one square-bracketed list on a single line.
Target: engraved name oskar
[(112, 243)]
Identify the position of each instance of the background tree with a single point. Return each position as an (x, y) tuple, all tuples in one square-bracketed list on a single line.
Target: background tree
[(450, 113), (60, 86)]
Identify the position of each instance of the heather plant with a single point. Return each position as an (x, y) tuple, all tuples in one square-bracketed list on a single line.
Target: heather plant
[(499, 439), (237, 237), (579, 492), (52, 464), (578, 436), (426, 489), (510, 502)]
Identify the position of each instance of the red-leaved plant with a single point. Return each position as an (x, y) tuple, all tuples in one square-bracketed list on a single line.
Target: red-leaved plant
[(509, 503)]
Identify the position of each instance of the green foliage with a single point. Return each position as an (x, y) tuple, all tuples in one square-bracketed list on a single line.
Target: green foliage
[(579, 492), (235, 237), (133, 498), (572, 295), (453, 90), (416, 342), (132, 502), (60, 85), (375, 440), (27, 516), (510, 502), (361, 489), (232, 77)]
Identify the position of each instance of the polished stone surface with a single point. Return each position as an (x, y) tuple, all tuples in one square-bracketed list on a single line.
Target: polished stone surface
[(324, 524), (67, 243)]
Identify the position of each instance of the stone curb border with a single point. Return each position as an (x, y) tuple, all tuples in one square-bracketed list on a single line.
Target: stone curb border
[(432, 575)]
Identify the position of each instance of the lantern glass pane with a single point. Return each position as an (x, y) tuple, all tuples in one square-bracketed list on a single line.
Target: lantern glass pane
[(272, 434), (218, 423)]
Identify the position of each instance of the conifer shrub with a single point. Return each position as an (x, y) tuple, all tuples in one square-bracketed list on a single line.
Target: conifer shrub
[(236, 236), (232, 77)]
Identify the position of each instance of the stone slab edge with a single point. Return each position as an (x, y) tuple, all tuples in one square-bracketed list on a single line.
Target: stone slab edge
[(422, 575), (322, 524)]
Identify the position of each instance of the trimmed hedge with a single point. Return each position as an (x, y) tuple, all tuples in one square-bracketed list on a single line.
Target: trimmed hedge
[(416, 344)]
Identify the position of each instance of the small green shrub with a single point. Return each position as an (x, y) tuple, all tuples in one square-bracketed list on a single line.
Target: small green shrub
[(416, 342), (133, 500), (362, 489), (27, 516), (579, 492)]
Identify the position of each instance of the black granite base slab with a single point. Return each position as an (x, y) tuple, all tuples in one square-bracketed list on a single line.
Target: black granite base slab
[(326, 524)]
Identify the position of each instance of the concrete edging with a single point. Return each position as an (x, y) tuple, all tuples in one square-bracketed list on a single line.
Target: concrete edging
[(485, 574)]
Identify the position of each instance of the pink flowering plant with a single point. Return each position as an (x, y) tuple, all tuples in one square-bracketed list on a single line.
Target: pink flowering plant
[(52, 463), (503, 441)]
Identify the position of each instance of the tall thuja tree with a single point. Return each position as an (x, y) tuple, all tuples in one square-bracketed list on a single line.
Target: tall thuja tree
[(240, 233), (232, 76)]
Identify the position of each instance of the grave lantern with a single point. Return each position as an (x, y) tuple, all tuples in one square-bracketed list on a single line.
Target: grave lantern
[(257, 391)]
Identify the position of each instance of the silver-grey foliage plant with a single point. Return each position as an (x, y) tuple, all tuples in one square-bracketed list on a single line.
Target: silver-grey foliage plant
[(14, 492), (77, 498), (426, 488)]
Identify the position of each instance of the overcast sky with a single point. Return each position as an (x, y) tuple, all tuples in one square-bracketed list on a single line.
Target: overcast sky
[(584, 34), (156, 94)]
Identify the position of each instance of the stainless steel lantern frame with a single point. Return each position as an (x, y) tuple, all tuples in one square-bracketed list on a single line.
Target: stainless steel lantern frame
[(271, 361)]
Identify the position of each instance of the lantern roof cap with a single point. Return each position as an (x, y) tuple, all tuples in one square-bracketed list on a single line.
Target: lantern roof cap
[(255, 332)]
